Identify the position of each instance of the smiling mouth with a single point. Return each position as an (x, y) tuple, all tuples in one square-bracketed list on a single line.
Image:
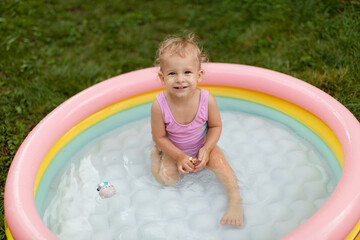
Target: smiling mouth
[(180, 87)]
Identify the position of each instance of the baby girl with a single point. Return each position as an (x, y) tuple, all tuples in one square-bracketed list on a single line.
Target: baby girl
[(186, 124)]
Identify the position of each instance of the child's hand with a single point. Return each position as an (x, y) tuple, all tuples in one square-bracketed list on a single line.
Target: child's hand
[(203, 157), (185, 165)]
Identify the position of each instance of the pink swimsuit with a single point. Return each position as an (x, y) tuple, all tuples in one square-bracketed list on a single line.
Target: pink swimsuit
[(190, 137)]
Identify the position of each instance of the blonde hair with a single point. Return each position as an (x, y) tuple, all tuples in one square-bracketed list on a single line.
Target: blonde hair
[(181, 46)]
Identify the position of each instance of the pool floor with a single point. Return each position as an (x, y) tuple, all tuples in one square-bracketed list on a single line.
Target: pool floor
[(283, 180)]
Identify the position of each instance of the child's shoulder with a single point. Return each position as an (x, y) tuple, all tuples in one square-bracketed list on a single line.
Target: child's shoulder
[(155, 106), (210, 96), (159, 96)]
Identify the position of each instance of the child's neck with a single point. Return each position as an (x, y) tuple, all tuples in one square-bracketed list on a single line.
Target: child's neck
[(184, 109)]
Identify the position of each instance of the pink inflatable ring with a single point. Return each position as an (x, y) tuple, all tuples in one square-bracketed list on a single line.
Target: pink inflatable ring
[(337, 219)]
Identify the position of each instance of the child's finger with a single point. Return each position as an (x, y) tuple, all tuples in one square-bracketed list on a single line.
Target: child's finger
[(203, 161), (182, 170), (200, 166), (186, 169), (201, 157), (189, 167)]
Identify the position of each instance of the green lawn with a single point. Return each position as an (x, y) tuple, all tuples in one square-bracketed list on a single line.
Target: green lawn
[(51, 50)]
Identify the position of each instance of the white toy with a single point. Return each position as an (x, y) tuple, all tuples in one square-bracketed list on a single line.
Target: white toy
[(106, 190)]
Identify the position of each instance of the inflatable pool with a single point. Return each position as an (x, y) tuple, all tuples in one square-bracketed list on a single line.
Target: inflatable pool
[(34, 162)]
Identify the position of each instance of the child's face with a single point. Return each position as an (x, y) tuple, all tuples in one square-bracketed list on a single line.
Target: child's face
[(180, 75)]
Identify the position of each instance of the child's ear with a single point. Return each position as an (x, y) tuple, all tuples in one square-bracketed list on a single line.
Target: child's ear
[(201, 74), (161, 76)]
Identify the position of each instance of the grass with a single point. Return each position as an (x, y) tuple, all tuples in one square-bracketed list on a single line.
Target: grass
[(51, 50)]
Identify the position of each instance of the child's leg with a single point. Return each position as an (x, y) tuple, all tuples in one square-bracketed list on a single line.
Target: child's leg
[(224, 173), (164, 168)]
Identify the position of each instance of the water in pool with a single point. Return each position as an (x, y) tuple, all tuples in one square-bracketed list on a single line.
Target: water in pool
[(282, 178)]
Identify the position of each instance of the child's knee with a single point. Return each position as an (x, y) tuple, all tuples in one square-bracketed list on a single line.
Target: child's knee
[(169, 180), (155, 163), (169, 174), (163, 169), (216, 160)]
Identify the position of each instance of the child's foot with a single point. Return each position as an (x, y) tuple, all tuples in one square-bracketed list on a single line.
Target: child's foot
[(233, 216)]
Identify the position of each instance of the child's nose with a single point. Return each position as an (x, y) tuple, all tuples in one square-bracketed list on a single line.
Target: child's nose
[(180, 78)]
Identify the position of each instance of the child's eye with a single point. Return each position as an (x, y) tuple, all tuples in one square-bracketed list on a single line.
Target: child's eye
[(172, 73), (187, 72)]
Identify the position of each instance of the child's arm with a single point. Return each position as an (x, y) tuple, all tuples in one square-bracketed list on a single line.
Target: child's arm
[(213, 133), (159, 136)]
